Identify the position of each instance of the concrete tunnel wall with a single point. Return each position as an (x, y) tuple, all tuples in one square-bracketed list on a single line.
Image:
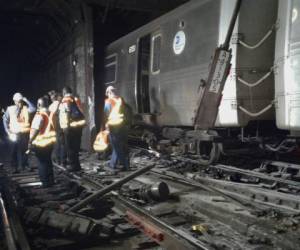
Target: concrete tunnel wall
[(72, 65)]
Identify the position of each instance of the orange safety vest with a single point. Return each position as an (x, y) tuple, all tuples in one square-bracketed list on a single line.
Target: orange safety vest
[(46, 136), (114, 117), (63, 120), (19, 123), (69, 99), (111, 101), (54, 116)]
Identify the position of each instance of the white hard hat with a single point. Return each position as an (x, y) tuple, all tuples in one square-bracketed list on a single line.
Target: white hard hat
[(110, 89), (17, 97)]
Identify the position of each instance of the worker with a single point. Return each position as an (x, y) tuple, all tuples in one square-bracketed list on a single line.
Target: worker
[(41, 140), (71, 121), (118, 129), (59, 154), (16, 122)]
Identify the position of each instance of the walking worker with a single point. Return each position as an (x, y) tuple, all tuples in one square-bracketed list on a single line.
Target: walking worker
[(16, 122), (117, 127), (41, 140), (71, 121)]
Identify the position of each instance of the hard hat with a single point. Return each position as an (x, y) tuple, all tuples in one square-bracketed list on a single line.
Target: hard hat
[(42, 103), (17, 97), (67, 90), (110, 89)]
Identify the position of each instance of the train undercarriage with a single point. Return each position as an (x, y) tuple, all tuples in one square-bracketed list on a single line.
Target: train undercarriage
[(215, 145)]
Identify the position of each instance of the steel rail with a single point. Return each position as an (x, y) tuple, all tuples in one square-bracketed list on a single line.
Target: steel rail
[(249, 173), (178, 232), (175, 235), (11, 244), (111, 187), (191, 183), (245, 172), (11, 215)]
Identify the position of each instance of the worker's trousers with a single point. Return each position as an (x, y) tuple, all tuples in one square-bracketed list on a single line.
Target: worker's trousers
[(19, 159), (59, 150), (45, 167), (119, 142), (73, 140)]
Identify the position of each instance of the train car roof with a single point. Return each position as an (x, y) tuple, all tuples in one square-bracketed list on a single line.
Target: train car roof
[(153, 25)]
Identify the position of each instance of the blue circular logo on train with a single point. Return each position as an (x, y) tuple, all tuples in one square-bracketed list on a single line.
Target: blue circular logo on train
[(179, 42)]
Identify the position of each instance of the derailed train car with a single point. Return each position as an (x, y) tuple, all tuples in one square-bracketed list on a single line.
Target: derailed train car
[(159, 67)]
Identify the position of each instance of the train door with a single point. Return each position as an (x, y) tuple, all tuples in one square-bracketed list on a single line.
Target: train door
[(143, 99)]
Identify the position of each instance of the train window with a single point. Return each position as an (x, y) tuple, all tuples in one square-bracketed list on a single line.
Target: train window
[(111, 69), (155, 54)]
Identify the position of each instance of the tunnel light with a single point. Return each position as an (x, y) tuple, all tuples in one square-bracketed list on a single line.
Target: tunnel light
[(74, 60)]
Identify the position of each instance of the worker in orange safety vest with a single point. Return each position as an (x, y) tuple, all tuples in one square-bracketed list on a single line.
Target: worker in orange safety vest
[(71, 121), (41, 140), (118, 129)]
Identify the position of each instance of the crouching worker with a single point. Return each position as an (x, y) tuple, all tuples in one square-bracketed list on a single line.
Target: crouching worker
[(41, 140)]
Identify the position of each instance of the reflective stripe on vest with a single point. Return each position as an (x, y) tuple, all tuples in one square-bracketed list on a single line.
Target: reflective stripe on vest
[(79, 123), (115, 117), (19, 123), (63, 117), (46, 136)]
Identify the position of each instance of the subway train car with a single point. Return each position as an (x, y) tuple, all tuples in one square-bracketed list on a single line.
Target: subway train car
[(158, 68), (287, 65)]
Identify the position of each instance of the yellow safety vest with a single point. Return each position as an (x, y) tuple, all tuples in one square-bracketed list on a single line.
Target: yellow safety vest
[(18, 123), (63, 116), (115, 117), (47, 135)]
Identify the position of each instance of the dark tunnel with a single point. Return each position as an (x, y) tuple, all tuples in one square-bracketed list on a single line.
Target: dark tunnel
[(48, 44)]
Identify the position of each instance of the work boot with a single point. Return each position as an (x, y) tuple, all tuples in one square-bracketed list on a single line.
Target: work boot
[(122, 168), (112, 171)]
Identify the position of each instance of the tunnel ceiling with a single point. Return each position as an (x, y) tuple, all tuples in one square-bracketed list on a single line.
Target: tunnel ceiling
[(33, 28)]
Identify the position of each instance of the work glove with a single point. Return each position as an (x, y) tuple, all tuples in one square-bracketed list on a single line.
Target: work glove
[(29, 148), (12, 137)]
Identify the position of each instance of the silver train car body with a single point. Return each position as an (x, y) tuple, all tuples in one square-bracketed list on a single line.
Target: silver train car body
[(287, 65), (158, 68)]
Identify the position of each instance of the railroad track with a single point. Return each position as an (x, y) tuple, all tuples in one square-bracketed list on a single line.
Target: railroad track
[(164, 234), (261, 225), (281, 176), (265, 188), (200, 214)]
